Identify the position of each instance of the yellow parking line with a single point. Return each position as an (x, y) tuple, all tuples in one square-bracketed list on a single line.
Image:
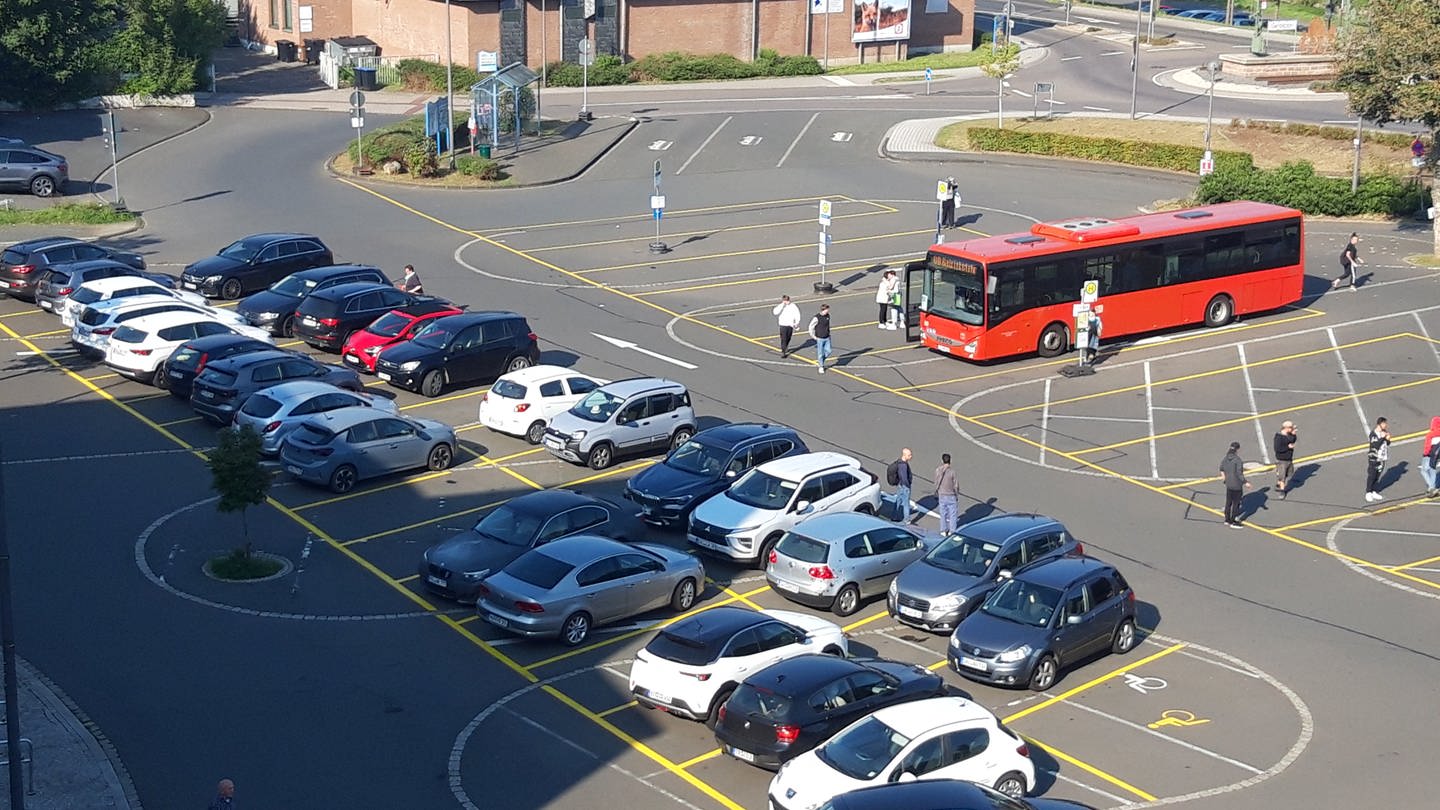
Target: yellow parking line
[(486, 461), (1358, 513), (101, 377), (735, 283), (532, 451), (420, 478), (697, 760), (187, 419), (868, 619), (1305, 460), (1416, 564), (146, 398), (289, 344), (478, 392), (613, 709), (36, 311), (760, 204), (403, 580), (374, 383), (472, 617), (937, 665), (751, 252), (769, 305), (1091, 769), (1093, 682), (51, 333)]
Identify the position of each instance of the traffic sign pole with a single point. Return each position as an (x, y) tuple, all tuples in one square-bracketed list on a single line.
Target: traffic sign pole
[(657, 205), (823, 286), (357, 121)]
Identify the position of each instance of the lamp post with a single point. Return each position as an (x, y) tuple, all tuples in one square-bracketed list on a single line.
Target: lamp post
[(1214, 68), (449, 88), (1135, 59)]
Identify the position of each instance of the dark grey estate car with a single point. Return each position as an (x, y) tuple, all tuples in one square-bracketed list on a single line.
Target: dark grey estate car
[(224, 385), (950, 581), (254, 263), (22, 264)]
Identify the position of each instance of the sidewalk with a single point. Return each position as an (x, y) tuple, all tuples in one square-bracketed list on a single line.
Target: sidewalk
[(74, 766)]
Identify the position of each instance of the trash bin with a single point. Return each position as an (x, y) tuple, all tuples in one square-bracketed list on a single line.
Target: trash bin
[(313, 47), (484, 149), (367, 78), (284, 50)]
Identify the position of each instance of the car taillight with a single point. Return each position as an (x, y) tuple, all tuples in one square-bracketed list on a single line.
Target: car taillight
[(104, 330), (1023, 750), (329, 321), (720, 715), (482, 591), (66, 290), (699, 676), (786, 734), (529, 607), (522, 407), (204, 356), (1130, 596), (1080, 549), (485, 397), (534, 337), (271, 428), (322, 451), (142, 352), (23, 269), (773, 556), (64, 167), (821, 572)]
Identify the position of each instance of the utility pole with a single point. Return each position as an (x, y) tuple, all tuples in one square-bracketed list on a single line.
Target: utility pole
[(449, 89), (1135, 60), (7, 642), (1355, 171)]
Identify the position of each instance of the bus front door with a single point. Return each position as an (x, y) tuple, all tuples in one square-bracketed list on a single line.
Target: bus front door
[(913, 290)]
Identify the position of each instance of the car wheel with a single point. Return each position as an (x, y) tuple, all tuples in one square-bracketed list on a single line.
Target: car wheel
[(1054, 340), (576, 629), (287, 327), (42, 186), (343, 479), (600, 456), (231, 289), (765, 549), (162, 380), (440, 457), (713, 718), (865, 509), (833, 650), (535, 433), (516, 363), (1219, 311), (1124, 638), (847, 601), (1011, 784), (681, 436), (1043, 676), (684, 597), (432, 383)]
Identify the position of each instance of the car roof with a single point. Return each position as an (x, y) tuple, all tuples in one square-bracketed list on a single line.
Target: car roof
[(112, 283), (32, 245), (125, 303), (797, 677), (464, 319), (579, 549), (240, 361), (296, 388), (216, 341), (329, 270), (349, 288), (640, 385), (346, 418), (921, 794), (160, 320), (1002, 527), (267, 238), (1062, 572), (549, 501), (738, 432), (533, 375), (833, 527), (793, 468), (86, 265), (717, 624), (918, 716), (427, 306)]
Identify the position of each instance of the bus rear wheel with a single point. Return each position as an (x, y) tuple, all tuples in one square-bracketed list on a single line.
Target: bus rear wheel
[(1220, 311), (1055, 340)]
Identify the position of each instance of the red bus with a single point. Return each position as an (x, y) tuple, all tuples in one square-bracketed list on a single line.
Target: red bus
[(1006, 295)]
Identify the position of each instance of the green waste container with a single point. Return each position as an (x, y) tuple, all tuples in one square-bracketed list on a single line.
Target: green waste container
[(484, 150)]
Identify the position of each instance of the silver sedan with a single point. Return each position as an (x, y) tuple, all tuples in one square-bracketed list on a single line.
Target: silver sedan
[(571, 585), (277, 410)]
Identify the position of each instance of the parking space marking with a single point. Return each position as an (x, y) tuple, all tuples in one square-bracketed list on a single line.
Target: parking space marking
[(570, 224), (1329, 455), (703, 144), (1349, 383), (403, 580), (468, 619), (1091, 769), (98, 377), (462, 395), (796, 142), (884, 614), (1254, 408), (808, 245), (36, 311), (186, 420), (1167, 720), (374, 383), (51, 333), (1094, 682), (614, 709), (146, 398), (708, 755), (810, 220)]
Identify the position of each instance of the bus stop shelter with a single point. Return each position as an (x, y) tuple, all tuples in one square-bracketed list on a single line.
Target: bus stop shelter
[(488, 92)]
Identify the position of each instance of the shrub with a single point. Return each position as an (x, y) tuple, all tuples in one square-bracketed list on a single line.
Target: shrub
[(609, 69), (391, 142), (563, 74), (424, 76), (797, 66), (477, 167), (420, 159), (1112, 150), (673, 66), (1332, 133), (1296, 185)]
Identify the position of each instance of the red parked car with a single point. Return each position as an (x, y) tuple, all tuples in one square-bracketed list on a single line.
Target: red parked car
[(393, 327)]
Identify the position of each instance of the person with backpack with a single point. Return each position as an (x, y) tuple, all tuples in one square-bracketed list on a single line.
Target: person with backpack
[(1349, 257), (1375, 458), (898, 475), (1430, 457)]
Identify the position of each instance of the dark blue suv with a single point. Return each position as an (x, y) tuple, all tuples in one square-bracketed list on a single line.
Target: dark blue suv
[(706, 465)]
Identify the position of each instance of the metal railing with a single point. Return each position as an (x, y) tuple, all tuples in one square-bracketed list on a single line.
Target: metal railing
[(27, 759)]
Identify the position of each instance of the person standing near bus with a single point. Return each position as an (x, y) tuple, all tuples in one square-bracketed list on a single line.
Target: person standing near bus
[(1349, 257), (1091, 349), (885, 297), (947, 205)]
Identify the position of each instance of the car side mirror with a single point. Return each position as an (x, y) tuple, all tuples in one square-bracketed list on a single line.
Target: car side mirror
[(903, 776), (1073, 619), (730, 473), (802, 507), (1003, 574)]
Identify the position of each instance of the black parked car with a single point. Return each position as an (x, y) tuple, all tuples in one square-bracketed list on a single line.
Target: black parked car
[(789, 707), (191, 358), (274, 308), (254, 263), (59, 281), (224, 385), (22, 263), (460, 349), (940, 794), (705, 465), (327, 318), (454, 567)]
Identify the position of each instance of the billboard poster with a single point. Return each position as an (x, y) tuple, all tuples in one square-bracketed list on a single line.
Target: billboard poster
[(881, 20)]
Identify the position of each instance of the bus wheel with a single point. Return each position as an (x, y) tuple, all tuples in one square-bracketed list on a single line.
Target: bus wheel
[(1054, 340), (1219, 311)]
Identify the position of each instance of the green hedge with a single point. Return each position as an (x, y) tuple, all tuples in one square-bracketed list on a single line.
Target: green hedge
[(429, 77), (1297, 186), (477, 167), (1111, 150), (1332, 133), (674, 66)]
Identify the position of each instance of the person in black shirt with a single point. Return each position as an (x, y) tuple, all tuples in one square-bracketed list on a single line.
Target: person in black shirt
[(1284, 457), (1348, 259), (224, 796), (1375, 458), (820, 332)]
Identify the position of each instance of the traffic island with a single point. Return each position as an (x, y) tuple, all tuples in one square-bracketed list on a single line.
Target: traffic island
[(239, 566)]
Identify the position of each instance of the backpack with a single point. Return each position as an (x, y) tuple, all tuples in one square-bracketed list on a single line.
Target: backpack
[(892, 473)]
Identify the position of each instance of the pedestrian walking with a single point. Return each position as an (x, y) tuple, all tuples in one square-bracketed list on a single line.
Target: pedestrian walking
[(1430, 457), (788, 316), (1235, 484), (1091, 349), (887, 296), (898, 475), (224, 796), (1349, 257), (1375, 458), (1284, 457), (947, 496), (820, 333), (1417, 147), (947, 205), (411, 282)]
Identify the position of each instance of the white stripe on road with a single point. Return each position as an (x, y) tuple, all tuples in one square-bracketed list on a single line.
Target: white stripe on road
[(704, 144), (796, 142), (1152, 732)]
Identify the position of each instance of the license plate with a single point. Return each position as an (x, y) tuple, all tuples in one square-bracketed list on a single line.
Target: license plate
[(658, 697), (309, 321), (497, 620), (742, 755), (175, 375), (207, 394), (974, 663), (553, 444), (292, 469), (909, 611), (434, 580), (786, 586), (350, 358), (47, 305), (189, 285), (702, 542), (382, 375)]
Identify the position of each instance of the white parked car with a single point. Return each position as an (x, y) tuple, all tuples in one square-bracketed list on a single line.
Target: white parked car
[(96, 322), (523, 402), (275, 411), (746, 521), (691, 667), (138, 348), (936, 738), (109, 289)]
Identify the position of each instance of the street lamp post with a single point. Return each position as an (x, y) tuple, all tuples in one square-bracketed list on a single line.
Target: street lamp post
[(1135, 59), (449, 88), (1214, 68)]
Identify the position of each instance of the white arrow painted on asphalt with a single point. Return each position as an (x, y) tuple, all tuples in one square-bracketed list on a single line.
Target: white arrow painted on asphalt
[(625, 344)]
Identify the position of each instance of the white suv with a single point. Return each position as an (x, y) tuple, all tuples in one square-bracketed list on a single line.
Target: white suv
[(117, 287), (691, 667), (137, 348), (745, 521)]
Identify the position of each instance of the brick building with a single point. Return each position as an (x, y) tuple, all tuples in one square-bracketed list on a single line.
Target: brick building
[(537, 31)]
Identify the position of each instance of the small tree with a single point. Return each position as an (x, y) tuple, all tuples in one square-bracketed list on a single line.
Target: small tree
[(999, 65), (237, 475)]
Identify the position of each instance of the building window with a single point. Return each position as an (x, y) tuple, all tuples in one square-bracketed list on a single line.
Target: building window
[(289, 24), (937, 6), (273, 15)]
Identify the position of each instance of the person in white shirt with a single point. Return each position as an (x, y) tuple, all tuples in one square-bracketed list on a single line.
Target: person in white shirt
[(788, 315), (886, 296)]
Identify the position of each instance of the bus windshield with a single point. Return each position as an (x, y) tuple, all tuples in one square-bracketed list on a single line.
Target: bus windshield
[(953, 289)]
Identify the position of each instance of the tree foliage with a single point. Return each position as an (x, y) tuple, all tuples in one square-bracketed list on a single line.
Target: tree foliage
[(48, 48), (165, 43), (237, 475)]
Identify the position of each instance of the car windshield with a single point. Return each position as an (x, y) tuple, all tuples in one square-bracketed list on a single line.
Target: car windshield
[(802, 548), (220, 379), (963, 555), (699, 458), (863, 750), (239, 251), (538, 569), (434, 335), (258, 406), (510, 526), (508, 389), (312, 434), (753, 701), (597, 406), (682, 650), (128, 334), (762, 491), (293, 285), (85, 295), (1023, 603), (388, 325)]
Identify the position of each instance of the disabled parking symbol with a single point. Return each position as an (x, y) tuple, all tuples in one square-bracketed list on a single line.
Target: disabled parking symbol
[(1178, 717), (1144, 685)]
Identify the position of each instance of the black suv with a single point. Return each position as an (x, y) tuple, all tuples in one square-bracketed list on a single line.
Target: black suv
[(459, 349), (224, 385), (327, 318), (705, 465), (22, 263), (254, 263), (186, 362), (274, 309)]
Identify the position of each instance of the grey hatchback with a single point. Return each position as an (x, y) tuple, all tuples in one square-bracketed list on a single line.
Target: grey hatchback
[(838, 560), (27, 167), (956, 576), (339, 448)]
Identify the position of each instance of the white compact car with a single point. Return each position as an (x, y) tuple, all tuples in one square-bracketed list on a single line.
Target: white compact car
[(138, 348), (936, 738), (109, 289), (746, 521), (691, 667), (96, 322), (523, 402)]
